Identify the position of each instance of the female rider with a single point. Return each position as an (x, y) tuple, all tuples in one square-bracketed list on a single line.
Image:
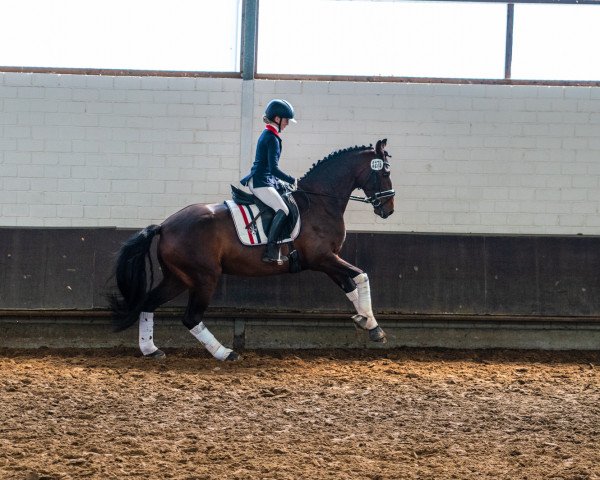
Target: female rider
[(262, 179)]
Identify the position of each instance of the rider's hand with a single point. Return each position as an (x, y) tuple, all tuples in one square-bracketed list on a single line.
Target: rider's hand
[(294, 186)]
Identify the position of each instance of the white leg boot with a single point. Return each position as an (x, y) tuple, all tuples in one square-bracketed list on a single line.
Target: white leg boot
[(212, 344), (146, 336)]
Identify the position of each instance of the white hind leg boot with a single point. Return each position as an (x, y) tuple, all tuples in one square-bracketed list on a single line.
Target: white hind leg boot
[(361, 298), (146, 334), (210, 342)]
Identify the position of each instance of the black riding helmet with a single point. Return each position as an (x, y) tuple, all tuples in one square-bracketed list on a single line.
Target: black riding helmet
[(279, 108)]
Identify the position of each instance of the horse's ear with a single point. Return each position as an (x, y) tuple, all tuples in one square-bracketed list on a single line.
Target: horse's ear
[(380, 148)]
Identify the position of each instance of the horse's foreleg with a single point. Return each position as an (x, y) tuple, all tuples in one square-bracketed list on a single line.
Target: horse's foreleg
[(197, 304), (356, 285), (361, 298)]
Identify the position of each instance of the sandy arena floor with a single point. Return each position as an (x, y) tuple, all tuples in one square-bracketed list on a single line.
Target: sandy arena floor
[(400, 414)]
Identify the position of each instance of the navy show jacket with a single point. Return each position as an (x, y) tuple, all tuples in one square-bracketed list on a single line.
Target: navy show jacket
[(265, 169)]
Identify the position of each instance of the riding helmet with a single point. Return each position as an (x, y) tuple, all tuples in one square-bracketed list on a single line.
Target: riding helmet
[(279, 108)]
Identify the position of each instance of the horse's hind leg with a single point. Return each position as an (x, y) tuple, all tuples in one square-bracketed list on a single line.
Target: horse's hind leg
[(166, 290), (197, 304)]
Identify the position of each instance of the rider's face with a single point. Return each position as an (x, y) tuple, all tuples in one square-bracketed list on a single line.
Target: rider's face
[(284, 122)]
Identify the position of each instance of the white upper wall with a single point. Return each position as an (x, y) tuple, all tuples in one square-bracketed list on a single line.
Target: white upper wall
[(81, 150)]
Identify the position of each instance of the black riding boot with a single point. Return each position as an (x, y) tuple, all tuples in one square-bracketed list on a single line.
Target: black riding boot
[(272, 252)]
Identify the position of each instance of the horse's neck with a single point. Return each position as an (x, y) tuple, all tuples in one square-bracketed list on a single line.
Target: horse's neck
[(334, 181), (332, 187)]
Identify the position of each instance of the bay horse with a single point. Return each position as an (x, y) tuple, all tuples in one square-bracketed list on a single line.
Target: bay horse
[(199, 243)]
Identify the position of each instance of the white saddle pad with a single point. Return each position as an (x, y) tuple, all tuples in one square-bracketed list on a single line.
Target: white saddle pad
[(253, 234)]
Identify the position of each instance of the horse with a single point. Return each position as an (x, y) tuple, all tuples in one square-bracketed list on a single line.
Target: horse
[(198, 244)]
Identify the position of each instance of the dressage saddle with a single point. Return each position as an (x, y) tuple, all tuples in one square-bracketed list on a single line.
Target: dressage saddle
[(267, 213)]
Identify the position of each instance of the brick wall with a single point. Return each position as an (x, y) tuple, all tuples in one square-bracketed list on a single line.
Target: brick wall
[(127, 151)]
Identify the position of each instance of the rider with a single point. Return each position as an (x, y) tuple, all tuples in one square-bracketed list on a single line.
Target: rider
[(262, 179)]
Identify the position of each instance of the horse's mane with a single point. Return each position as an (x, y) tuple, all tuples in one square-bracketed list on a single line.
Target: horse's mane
[(335, 155)]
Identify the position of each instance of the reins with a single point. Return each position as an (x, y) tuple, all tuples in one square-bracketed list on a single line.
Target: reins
[(300, 190), (372, 199)]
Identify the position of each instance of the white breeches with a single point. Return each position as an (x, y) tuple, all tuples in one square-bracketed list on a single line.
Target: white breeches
[(361, 298), (270, 197), (146, 333), (210, 342)]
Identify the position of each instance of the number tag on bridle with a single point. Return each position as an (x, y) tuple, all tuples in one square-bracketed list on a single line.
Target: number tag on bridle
[(376, 164)]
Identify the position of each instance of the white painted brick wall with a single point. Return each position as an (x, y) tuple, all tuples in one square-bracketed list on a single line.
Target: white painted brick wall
[(81, 150)]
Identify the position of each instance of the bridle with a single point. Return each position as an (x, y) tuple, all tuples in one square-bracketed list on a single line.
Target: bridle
[(375, 199)]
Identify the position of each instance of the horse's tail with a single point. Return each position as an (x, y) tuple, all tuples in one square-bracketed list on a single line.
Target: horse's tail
[(131, 278)]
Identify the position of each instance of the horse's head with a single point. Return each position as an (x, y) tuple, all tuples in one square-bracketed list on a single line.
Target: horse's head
[(375, 181)]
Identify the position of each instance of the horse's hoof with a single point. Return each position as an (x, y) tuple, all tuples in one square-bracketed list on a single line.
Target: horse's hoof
[(377, 335), (233, 357), (157, 355)]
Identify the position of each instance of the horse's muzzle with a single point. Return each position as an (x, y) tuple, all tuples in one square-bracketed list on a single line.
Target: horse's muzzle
[(383, 203), (385, 208), (383, 214), (386, 214)]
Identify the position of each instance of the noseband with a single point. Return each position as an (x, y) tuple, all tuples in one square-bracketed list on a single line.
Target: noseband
[(375, 199)]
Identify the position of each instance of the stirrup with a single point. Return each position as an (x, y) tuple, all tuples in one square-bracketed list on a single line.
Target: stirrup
[(279, 259)]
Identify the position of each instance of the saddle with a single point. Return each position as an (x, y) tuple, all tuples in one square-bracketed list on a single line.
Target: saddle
[(252, 218)]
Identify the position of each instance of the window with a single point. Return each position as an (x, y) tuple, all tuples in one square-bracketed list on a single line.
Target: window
[(189, 35), (551, 39), (407, 39), (556, 42)]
